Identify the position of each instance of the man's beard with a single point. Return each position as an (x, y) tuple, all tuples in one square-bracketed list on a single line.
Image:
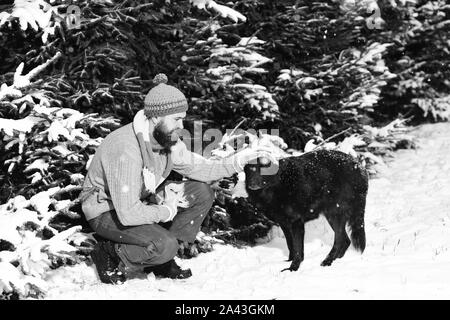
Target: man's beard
[(165, 138)]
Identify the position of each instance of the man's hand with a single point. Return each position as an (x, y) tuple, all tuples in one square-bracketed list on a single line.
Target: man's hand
[(249, 154), (174, 198)]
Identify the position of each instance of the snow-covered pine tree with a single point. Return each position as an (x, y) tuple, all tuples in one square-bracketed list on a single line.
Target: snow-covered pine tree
[(420, 56), (62, 90)]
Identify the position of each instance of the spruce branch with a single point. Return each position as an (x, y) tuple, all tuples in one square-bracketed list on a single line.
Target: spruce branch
[(33, 73), (131, 9), (24, 81)]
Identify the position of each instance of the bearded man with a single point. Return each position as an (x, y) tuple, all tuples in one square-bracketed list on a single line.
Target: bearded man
[(130, 167)]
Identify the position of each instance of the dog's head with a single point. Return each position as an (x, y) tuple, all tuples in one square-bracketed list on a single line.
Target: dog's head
[(261, 173)]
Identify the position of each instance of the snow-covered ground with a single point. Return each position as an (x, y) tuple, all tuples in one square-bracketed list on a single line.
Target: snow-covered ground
[(407, 254)]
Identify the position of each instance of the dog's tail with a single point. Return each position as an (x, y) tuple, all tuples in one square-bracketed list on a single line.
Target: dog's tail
[(356, 221), (358, 234)]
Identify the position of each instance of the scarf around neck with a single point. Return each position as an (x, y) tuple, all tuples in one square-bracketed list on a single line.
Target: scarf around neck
[(141, 126)]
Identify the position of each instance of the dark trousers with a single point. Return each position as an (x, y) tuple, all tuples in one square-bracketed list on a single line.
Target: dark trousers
[(152, 244)]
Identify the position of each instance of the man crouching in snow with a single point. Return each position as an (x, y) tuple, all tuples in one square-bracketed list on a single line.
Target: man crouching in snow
[(130, 166)]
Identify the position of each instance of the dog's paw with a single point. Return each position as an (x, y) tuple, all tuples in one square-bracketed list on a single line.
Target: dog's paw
[(294, 266), (289, 269), (326, 263)]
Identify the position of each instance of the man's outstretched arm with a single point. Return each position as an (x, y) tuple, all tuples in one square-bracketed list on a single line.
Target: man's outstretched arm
[(197, 167)]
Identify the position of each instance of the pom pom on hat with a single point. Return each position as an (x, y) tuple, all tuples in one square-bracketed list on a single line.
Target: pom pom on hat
[(160, 78), (164, 99)]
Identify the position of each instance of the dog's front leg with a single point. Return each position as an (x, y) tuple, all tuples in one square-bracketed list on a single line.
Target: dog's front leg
[(298, 238)]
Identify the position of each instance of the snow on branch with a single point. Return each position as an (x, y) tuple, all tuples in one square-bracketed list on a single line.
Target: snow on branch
[(33, 246), (11, 280), (35, 257), (23, 81), (21, 125), (34, 13), (230, 65), (29, 13), (223, 11)]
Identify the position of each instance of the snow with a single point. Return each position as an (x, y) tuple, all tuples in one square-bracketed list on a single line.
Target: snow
[(21, 125), (35, 13), (224, 11), (407, 253), (10, 220), (11, 278), (41, 201), (39, 164)]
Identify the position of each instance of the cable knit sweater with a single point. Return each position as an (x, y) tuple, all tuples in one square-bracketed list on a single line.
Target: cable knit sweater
[(114, 179)]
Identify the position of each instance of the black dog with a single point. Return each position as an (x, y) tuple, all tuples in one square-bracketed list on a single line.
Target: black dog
[(327, 182)]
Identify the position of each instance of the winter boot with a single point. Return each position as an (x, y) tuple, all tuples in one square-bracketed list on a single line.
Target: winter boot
[(107, 262), (169, 270)]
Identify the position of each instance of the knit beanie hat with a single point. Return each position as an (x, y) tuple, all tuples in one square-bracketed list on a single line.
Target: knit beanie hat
[(164, 99)]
